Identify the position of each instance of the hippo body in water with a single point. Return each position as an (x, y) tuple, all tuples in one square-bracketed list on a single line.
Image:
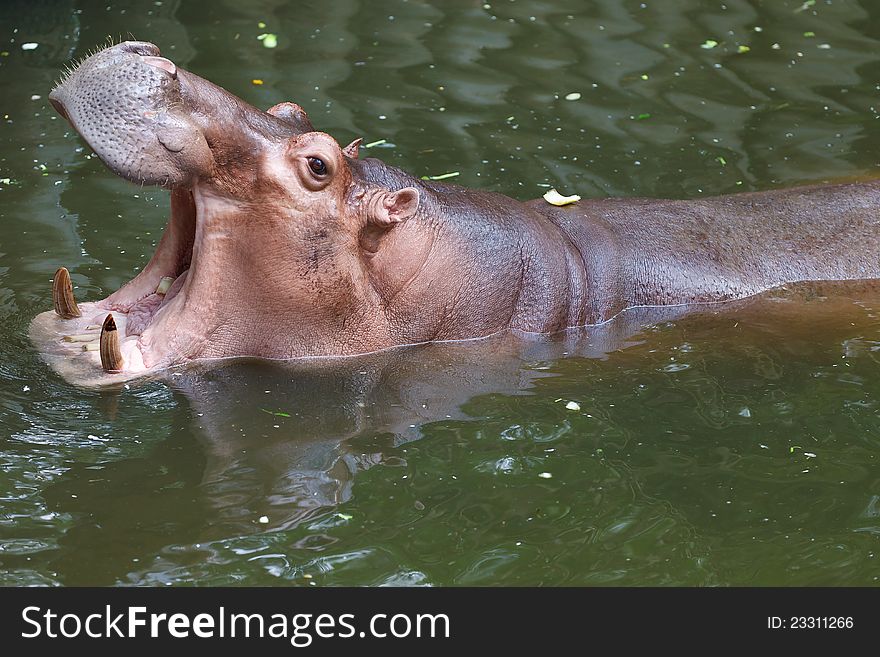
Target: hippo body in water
[(281, 244)]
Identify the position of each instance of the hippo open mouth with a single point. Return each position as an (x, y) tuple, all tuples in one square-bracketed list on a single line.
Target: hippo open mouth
[(155, 124)]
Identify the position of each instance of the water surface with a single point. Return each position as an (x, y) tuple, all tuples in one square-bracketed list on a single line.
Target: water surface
[(735, 446)]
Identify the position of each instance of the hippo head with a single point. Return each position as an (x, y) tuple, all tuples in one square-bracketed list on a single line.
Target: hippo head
[(275, 236)]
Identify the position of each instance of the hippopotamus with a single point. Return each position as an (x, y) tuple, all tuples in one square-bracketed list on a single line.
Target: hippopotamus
[(283, 244)]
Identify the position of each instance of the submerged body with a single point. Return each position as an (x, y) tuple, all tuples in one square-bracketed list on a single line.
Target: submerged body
[(281, 244)]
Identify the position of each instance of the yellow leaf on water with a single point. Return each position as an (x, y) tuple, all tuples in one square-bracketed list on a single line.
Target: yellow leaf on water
[(257, 82), (555, 198)]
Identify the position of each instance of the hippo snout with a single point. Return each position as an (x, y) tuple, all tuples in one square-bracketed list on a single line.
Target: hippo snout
[(126, 102)]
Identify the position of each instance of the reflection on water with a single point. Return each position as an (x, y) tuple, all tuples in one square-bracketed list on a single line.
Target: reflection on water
[(735, 446)]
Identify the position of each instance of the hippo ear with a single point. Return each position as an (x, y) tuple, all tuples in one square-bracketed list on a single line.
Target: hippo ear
[(352, 149), (395, 207), (293, 114)]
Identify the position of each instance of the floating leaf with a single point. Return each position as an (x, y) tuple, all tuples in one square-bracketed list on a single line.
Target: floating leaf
[(555, 198), (275, 413), (805, 6), (257, 82), (743, 50), (643, 116), (269, 40), (708, 44), (442, 176), (809, 35)]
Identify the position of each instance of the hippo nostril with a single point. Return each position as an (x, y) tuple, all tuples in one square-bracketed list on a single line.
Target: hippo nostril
[(164, 64), (140, 48), (59, 108)]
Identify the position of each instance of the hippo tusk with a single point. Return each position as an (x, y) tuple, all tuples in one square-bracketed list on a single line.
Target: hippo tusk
[(111, 354), (62, 295)]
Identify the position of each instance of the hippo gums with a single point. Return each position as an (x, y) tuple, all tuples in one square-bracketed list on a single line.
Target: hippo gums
[(282, 244)]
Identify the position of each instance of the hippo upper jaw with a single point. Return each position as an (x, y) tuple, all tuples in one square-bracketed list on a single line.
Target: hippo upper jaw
[(129, 104), (154, 123)]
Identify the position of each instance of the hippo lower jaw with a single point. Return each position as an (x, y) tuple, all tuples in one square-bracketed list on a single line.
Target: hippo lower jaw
[(155, 328)]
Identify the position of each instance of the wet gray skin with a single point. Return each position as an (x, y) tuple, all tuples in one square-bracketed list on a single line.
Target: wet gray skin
[(156, 124)]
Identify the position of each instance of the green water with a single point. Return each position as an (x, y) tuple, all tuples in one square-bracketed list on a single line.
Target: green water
[(733, 447)]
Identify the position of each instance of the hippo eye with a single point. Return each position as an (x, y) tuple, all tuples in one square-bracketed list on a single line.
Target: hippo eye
[(317, 166)]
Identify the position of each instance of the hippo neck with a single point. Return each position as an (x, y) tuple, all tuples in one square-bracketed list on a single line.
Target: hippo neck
[(468, 264)]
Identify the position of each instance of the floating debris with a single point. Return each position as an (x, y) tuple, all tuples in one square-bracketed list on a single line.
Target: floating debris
[(573, 96), (545, 475), (269, 40), (708, 44), (264, 520), (805, 6), (257, 82), (742, 50), (555, 198), (573, 406), (442, 176), (275, 413), (30, 46)]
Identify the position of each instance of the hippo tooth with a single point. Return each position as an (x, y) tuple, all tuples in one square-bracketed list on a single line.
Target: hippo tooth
[(62, 295), (82, 337), (164, 285), (111, 354)]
